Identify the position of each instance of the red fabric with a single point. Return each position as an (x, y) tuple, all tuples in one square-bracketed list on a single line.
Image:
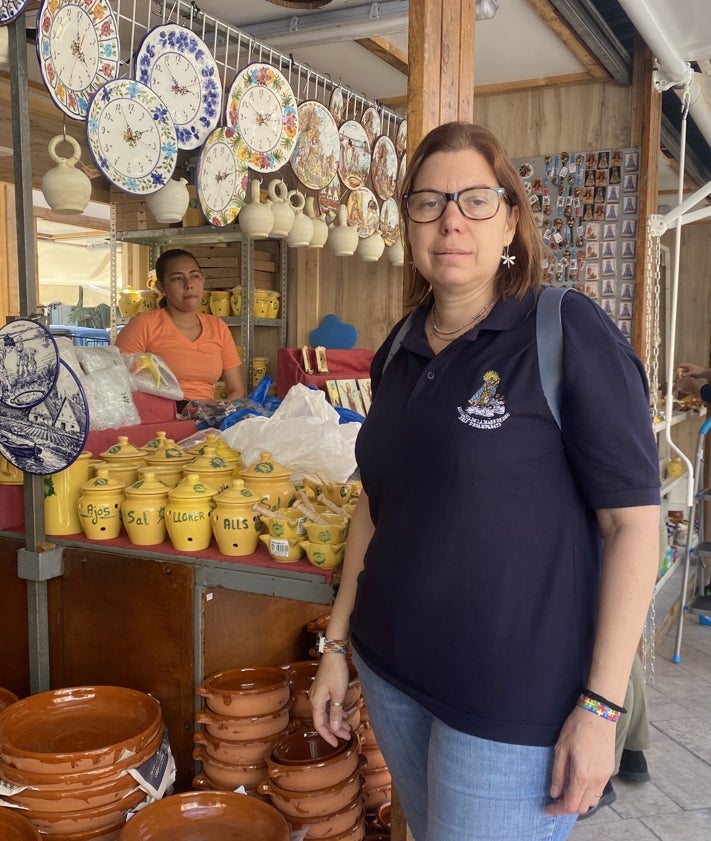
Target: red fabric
[(342, 365)]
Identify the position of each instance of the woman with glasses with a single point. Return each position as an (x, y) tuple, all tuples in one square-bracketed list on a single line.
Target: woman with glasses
[(498, 567)]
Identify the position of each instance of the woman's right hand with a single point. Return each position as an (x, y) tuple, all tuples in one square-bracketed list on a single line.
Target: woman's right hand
[(326, 695), (688, 369)]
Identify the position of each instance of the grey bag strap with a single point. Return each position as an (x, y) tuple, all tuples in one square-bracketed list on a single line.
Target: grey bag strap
[(549, 341), (397, 341)]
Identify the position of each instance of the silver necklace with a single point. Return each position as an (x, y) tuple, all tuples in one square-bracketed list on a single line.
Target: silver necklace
[(478, 317)]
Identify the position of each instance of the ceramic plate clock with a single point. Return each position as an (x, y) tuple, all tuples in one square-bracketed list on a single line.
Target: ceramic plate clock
[(78, 51), (177, 65), (222, 176), (131, 136), (10, 9), (262, 106)]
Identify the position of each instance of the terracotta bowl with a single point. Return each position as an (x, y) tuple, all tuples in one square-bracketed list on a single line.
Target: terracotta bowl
[(207, 816), (301, 676), (245, 728), (306, 747), (53, 823), (109, 833), (89, 797), (375, 797), (77, 729), (323, 769), (317, 803), (376, 777), (236, 752), (249, 691), (353, 833), (7, 698), (14, 827), (373, 756), (329, 825), (229, 776), (384, 815)]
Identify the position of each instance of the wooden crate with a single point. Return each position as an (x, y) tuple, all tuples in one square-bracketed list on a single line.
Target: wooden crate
[(132, 213)]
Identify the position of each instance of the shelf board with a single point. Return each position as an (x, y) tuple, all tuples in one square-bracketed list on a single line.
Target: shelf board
[(680, 417), (184, 236)]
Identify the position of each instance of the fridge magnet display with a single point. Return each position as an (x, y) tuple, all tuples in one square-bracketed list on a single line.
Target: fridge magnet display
[(354, 160), (222, 176), (78, 51), (315, 156), (10, 9), (383, 168), (363, 211), (350, 396), (178, 66), (262, 106), (29, 363), (50, 435), (371, 123), (131, 136)]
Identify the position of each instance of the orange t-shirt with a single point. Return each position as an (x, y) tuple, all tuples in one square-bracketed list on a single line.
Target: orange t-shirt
[(197, 365)]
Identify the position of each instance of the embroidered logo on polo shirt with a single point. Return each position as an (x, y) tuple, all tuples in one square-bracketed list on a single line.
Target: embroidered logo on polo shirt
[(486, 408)]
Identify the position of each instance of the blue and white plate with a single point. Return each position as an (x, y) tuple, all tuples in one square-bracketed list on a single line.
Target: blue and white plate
[(29, 363)]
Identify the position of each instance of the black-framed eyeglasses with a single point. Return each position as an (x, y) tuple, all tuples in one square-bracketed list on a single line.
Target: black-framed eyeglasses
[(476, 203)]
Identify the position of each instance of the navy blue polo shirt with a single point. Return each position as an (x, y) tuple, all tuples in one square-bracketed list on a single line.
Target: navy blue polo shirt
[(480, 588)]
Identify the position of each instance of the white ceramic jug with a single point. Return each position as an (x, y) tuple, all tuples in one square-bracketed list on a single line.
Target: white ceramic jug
[(281, 208), (370, 249), (66, 189), (303, 228), (256, 219), (168, 205), (320, 234), (342, 237), (396, 253)]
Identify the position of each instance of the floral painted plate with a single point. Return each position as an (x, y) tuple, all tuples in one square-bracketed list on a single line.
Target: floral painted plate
[(222, 176)]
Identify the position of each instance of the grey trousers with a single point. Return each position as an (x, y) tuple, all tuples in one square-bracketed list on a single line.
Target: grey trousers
[(633, 726)]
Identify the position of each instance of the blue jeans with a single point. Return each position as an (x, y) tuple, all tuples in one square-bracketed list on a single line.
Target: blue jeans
[(456, 787)]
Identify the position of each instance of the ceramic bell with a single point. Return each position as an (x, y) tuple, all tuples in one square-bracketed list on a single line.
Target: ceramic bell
[(320, 234), (256, 219), (168, 205), (370, 249), (282, 210), (66, 189), (303, 228), (343, 238), (396, 253)]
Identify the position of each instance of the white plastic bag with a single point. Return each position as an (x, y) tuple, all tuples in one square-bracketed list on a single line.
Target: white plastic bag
[(149, 373), (303, 435)]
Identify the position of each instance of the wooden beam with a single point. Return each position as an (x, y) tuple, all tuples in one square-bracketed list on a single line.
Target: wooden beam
[(79, 219), (387, 52)]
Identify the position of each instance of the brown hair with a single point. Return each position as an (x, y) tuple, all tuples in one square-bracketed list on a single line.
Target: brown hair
[(526, 246), (161, 267)]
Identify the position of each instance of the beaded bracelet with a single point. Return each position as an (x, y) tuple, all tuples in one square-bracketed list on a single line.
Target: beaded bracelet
[(333, 646), (598, 708)]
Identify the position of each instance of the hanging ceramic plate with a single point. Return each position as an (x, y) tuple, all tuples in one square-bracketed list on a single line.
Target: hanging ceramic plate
[(315, 156), (78, 51), (329, 200), (177, 65), (363, 211), (371, 123), (29, 362), (49, 436), (10, 9), (390, 221), (131, 136), (354, 160), (402, 169), (222, 176), (383, 169), (262, 106), (401, 138), (337, 105)]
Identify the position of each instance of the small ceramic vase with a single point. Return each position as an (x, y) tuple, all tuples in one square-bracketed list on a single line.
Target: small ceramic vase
[(61, 495), (269, 481), (282, 210), (235, 526), (396, 253), (259, 368), (236, 301), (211, 469), (187, 515), (220, 302), (66, 189), (260, 303), (256, 219), (99, 507), (143, 510), (303, 228), (370, 249), (320, 234), (168, 205), (342, 238)]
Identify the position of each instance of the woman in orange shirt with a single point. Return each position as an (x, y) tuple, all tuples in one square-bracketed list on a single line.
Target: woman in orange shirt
[(197, 347)]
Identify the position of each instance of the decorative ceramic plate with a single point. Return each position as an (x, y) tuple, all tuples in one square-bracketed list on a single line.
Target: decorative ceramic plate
[(402, 169), (29, 363), (262, 106), (363, 211), (50, 435), (337, 104), (401, 138), (390, 221), (177, 65), (354, 160), (383, 169), (222, 176), (78, 51), (11, 9), (371, 123), (329, 199), (131, 136), (315, 156)]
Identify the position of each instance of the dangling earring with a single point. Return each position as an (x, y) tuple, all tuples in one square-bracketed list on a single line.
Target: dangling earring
[(506, 258)]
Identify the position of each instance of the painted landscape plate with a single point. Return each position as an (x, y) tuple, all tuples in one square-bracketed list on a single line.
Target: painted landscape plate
[(383, 169), (315, 156), (401, 138), (329, 199), (371, 123), (363, 211), (29, 363), (354, 160), (390, 221)]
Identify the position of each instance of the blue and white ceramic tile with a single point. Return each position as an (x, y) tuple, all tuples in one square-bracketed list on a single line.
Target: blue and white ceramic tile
[(29, 363)]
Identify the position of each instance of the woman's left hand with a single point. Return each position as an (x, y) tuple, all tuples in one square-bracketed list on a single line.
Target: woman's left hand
[(583, 763)]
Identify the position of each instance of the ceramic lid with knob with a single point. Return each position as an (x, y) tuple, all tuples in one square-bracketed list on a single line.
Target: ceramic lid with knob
[(149, 485), (122, 450), (237, 494), (209, 460), (102, 482), (266, 468), (192, 488), (168, 453)]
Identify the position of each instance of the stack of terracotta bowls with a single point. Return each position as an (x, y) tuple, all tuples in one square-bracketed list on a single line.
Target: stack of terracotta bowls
[(246, 712), (317, 787), (209, 816), (377, 783), (6, 698), (66, 754), (301, 675), (13, 827)]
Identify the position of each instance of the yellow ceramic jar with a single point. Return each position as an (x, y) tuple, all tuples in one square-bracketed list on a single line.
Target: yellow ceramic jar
[(125, 473), (128, 302), (143, 510), (260, 303), (269, 481), (259, 368), (221, 446), (99, 507), (220, 302), (282, 549), (187, 515), (169, 474), (151, 446), (333, 531), (236, 301), (675, 467), (287, 523), (168, 453), (149, 299), (123, 452), (9, 474), (204, 302), (273, 308), (235, 526), (211, 469), (61, 495)]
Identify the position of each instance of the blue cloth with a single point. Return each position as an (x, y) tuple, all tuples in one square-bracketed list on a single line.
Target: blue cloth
[(480, 588)]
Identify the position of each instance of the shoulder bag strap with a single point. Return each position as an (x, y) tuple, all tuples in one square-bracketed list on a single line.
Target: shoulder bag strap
[(549, 341)]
